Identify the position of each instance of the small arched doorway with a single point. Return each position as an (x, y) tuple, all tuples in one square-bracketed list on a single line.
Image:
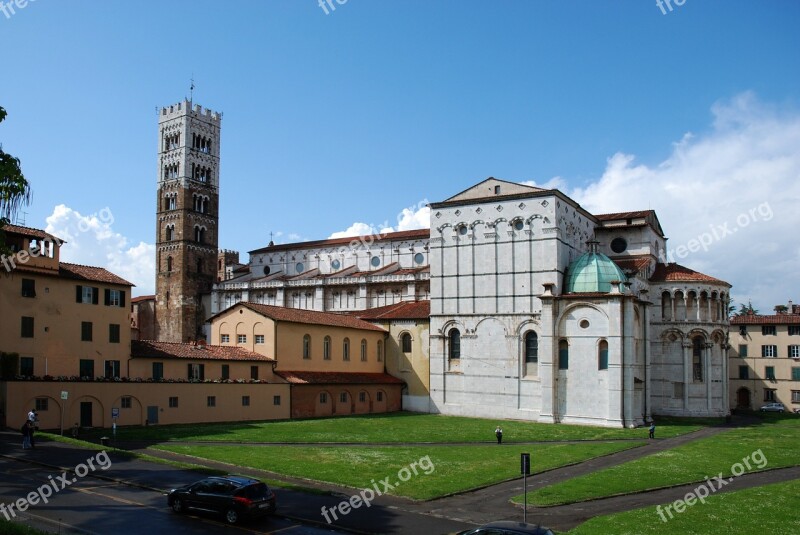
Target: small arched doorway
[(743, 398)]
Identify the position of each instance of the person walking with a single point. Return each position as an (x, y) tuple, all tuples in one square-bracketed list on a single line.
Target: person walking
[(32, 417), (499, 434), (652, 429), (26, 435)]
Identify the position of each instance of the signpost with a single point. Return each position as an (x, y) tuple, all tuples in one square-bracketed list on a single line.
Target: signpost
[(114, 416), (64, 396), (525, 468)]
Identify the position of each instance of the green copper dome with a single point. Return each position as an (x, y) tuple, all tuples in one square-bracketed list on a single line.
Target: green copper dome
[(592, 272)]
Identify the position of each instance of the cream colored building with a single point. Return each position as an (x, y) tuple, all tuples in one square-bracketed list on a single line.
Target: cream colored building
[(765, 360)]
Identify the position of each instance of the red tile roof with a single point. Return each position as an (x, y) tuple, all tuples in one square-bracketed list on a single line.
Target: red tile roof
[(633, 263), (90, 273), (328, 378), (421, 234), (170, 350), (30, 232), (406, 310), (298, 315), (624, 215), (143, 298), (676, 273), (775, 319)]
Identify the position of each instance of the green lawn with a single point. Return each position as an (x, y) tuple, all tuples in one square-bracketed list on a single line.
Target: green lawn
[(15, 528), (776, 437), (769, 509), (392, 428), (448, 469)]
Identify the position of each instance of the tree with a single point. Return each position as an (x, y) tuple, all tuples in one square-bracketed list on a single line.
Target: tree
[(744, 310), (781, 309), (15, 192)]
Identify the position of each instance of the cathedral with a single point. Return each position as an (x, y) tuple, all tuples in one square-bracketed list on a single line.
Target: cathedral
[(515, 303)]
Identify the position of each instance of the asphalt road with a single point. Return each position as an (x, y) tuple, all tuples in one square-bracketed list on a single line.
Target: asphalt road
[(90, 505)]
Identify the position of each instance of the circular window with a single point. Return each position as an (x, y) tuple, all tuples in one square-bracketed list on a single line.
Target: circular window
[(376, 261), (584, 324), (618, 245), (462, 230), (299, 267), (266, 270), (519, 224), (335, 264), (419, 258)]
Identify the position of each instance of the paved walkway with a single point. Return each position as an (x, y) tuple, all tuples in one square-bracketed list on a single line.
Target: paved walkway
[(390, 514)]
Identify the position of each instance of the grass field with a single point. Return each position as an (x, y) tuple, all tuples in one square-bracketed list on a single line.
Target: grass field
[(769, 509), (777, 437), (448, 469), (14, 528), (392, 428)]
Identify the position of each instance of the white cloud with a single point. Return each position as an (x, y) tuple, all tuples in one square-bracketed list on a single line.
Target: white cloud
[(411, 218), (736, 188), (92, 241)]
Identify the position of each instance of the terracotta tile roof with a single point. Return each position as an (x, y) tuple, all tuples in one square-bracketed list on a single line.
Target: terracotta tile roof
[(90, 273), (329, 378), (412, 271), (170, 350), (634, 264), (422, 234), (624, 215), (298, 315), (775, 319), (406, 310), (30, 232), (675, 273), (143, 298)]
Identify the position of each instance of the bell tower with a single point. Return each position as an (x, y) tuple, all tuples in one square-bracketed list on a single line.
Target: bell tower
[(187, 219)]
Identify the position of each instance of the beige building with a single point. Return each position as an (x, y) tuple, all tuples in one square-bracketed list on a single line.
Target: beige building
[(407, 348), (765, 360), (335, 363)]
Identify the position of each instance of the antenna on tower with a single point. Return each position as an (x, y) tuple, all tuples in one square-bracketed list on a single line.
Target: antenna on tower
[(21, 217), (191, 90)]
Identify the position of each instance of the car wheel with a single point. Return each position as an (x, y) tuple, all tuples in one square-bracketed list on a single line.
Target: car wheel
[(177, 505), (231, 516)]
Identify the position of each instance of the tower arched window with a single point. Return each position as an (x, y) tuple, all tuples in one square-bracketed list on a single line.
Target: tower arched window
[(454, 345), (697, 359), (169, 264), (531, 348), (307, 346), (405, 342), (169, 234), (199, 265)]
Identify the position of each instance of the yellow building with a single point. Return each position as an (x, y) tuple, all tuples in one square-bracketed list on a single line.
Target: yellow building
[(765, 360), (335, 363)]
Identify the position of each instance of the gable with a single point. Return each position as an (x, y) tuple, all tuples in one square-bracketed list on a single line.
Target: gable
[(493, 187)]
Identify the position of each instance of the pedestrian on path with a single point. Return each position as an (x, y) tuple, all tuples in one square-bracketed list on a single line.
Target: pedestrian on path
[(32, 417), (652, 429), (499, 434), (26, 435)]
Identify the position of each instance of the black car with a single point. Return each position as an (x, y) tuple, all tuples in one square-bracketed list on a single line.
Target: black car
[(507, 527), (234, 497)]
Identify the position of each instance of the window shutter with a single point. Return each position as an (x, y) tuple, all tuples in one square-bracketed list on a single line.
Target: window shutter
[(122, 298), (202, 372), (78, 293), (107, 297), (95, 295), (189, 374)]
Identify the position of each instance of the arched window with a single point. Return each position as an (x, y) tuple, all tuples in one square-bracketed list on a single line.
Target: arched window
[(169, 263), (454, 351), (170, 231), (602, 355), (306, 347), (697, 359), (326, 348), (363, 351), (346, 349), (380, 351), (405, 342), (531, 348), (199, 265), (563, 355)]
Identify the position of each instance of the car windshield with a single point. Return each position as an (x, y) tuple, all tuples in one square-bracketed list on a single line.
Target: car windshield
[(259, 491)]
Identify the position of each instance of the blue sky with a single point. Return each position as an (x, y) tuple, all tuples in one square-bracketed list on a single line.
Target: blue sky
[(335, 122)]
